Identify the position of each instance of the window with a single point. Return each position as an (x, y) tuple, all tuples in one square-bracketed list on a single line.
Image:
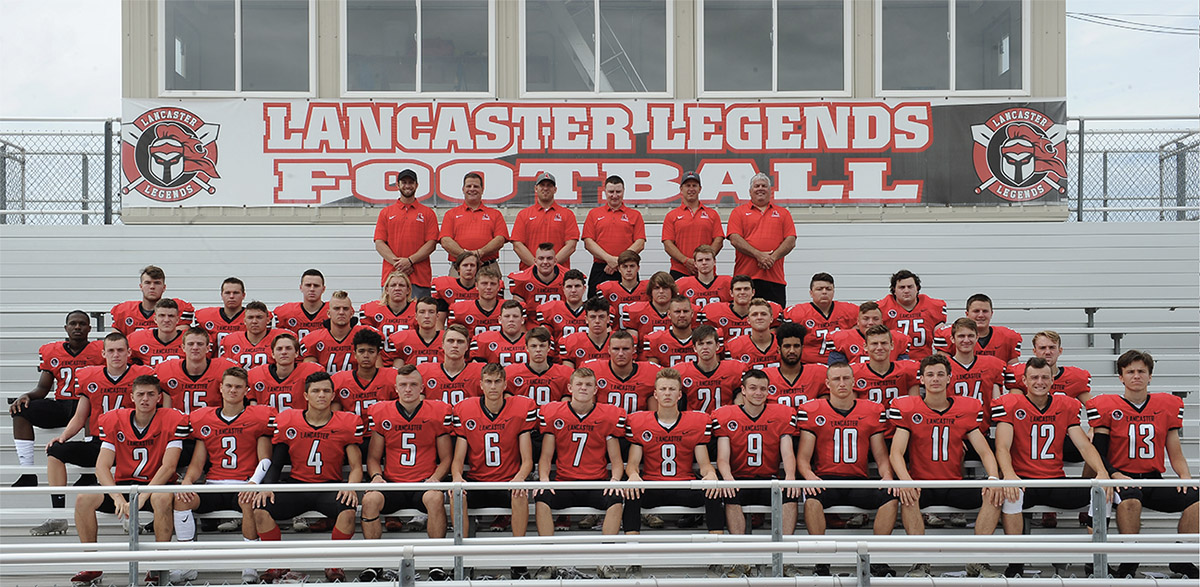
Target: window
[(560, 40), (428, 46), (957, 46), (790, 47), (228, 46)]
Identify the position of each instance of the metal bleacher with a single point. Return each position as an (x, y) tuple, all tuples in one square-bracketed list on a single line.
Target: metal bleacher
[(1126, 284)]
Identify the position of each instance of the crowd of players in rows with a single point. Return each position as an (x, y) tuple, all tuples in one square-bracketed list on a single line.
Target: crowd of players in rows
[(648, 380)]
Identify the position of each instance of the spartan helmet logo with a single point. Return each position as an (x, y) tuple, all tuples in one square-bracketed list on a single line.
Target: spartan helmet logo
[(1020, 154), (169, 154)]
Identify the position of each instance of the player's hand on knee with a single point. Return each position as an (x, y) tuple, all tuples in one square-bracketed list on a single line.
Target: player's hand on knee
[(794, 492), (910, 496), (349, 498), (520, 493), (20, 404), (187, 497), (121, 510), (263, 498)]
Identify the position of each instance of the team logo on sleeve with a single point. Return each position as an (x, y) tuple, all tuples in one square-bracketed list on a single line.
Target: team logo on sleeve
[(386, 425), (861, 384), (320, 346), (917, 418), (601, 383), (855, 349), (493, 346), (558, 319), (732, 425), (169, 154), (469, 319), (129, 321), (259, 386), (344, 392), (745, 358), (691, 293), (518, 381), (1118, 415), (92, 387), (723, 321), (291, 321), (205, 431), (891, 313), (172, 383), (528, 287), (1020, 414), (819, 420), (647, 436), (810, 323), (612, 297), (580, 353), (687, 381), (144, 349), (237, 348), (644, 319), (209, 325), (291, 433), (407, 350), (559, 424), (448, 294), (120, 436), (772, 390), (470, 424), (431, 383), (53, 362), (662, 348), (1019, 154)]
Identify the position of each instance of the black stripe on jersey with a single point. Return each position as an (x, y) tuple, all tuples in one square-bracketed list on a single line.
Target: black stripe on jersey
[(1093, 414), (448, 420), (979, 416), (998, 411), (882, 417), (893, 413), (531, 415), (801, 416), (183, 431)]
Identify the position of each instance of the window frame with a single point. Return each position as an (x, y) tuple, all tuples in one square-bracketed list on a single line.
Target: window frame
[(166, 44), (344, 57), (774, 92), (1026, 59), (522, 68)]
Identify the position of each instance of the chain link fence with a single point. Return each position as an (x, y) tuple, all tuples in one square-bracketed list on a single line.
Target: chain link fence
[(1134, 174)]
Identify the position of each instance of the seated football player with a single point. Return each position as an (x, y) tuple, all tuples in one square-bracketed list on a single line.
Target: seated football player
[(629, 288), (566, 316), (142, 443), (672, 346), (973, 375), (930, 432), (592, 343), (665, 444), (507, 345), (281, 384), (152, 346), (539, 283), (537, 378), (448, 289), (793, 382), (705, 287), (356, 391), (310, 313), (840, 431), (623, 381), (494, 444), (821, 317), (482, 313), (134, 315), (252, 346), (332, 347), (730, 318), (882, 379), (1070, 381), (317, 442), (1032, 429), (850, 345), (194, 381), (234, 445), (1135, 433), (757, 348), (455, 378), (993, 341), (908, 310), (710, 382), (393, 311), (754, 442), (420, 344), (642, 318), (226, 319)]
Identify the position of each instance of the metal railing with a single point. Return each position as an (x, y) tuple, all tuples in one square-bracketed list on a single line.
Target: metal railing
[(517, 550)]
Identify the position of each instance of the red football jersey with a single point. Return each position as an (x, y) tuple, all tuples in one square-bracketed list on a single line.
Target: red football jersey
[(580, 349), (1038, 435), (618, 297), (104, 393), (976, 381), (1003, 343), (379, 316), (1069, 381), (411, 349), (853, 345), (57, 359), (331, 354), (631, 393), (494, 440), (149, 349), (666, 349), (449, 289), (808, 385), (729, 323), (266, 388), (527, 285), (705, 392), (139, 453), (581, 441), (703, 294), (218, 326), (741, 348), (642, 318), (493, 347), (232, 445), (918, 323), (440, 385), (357, 396), (238, 348), (668, 454), (543, 388), (560, 319), (818, 326), (191, 392), (1137, 437), (317, 453), (935, 444), (754, 442), (470, 314), (292, 316), (128, 317), (843, 440), (882, 388), (410, 440)]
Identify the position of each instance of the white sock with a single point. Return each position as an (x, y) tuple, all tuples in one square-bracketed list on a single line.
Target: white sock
[(185, 526), (24, 452), (244, 539)]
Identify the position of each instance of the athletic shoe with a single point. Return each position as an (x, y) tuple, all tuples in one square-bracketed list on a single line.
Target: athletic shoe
[(882, 570), (417, 523), (757, 520), (518, 573), (544, 573), (299, 525), (588, 522), (182, 576), (389, 576), (273, 575), (1126, 570), (958, 520), (87, 577), (738, 571), (335, 574), (393, 524), (320, 525), (230, 525), (689, 521), (918, 570), (369, 575), (500, 524), (153, 578), (931, 521), (26, 480), (208, 526), (834, 522), (293, 577), (982, 570), (607, 572), (633, 572), (571, 573), (1014, 570), (1050, 520), (249, 576), (1188, 570), (822, 570), (439, 574), (49, 527), (653, 521), (716, 571), (562, 523), (790, 570), (857, 521)]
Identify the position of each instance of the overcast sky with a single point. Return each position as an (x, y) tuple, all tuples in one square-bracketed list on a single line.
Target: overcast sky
[(62, 58)]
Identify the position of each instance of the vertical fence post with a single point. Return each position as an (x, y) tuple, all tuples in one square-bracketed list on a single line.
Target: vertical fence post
[(459, 516), (108, 172), (134, 530), (1079, 177), (84, 181), (776, 527), (3, 182), (1180, 181), (862, 567), (1099, 530), (1104, 182)]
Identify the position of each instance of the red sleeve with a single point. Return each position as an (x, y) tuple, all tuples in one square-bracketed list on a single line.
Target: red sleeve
[(518, 229), (501, 225), (572, 230), (589, 225), (381, 225), (735, 223), (789, 227), (639, 226), (447, 225), (668, 227), (718, 230), (431, 227)]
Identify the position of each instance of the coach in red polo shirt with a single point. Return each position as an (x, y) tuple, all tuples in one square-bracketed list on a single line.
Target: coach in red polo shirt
[(611, 230), (473, 226), (690, 225), (406, 234), (763, 234), (545, 222)]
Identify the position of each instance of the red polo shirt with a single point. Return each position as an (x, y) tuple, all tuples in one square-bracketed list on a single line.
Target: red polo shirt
[(763, 230), (536, 225), (472, 229), (405, 228), (688, 230), (614, 230)]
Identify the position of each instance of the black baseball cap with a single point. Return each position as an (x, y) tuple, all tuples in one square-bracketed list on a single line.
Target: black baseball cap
[(407, 173), (689, 175)]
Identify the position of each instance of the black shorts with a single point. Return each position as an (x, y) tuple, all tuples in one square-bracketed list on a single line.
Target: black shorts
[(108, 506), (770, 291), (1063, 498), (82, 453), (762, 496), (489, 498), (220, 502), (967, 498), (1163, 499), (578, 498), (970, 454), (714, 510), (865, 498), (394, 501), (290, 504), (48, 413)]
